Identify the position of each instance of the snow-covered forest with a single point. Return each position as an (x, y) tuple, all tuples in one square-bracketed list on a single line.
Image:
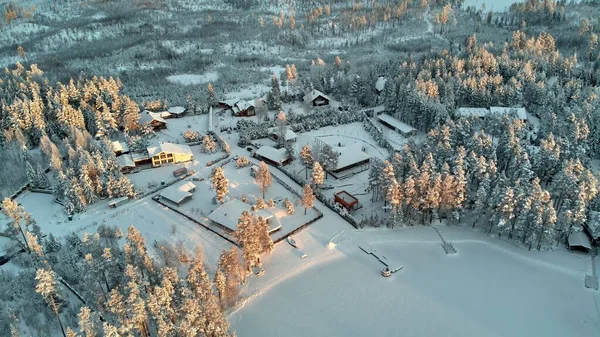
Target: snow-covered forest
[(88, 89)]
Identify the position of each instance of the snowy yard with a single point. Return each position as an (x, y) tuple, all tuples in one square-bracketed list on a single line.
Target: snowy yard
[(154, 222), (490, 288)]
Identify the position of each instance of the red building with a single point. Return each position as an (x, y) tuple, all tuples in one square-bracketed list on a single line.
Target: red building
[(347, 200)]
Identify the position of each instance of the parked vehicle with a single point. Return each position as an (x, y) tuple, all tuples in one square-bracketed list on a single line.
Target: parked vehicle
[(292, 242)]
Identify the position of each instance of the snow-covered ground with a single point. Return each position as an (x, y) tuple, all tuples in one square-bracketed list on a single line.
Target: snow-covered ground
[(191, 79), (489, 288), (152, 220)]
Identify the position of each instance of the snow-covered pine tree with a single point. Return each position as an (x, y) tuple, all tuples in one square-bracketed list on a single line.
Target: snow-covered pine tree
[(317, 176), (328, 158), (306, 157), (281, 123), (46, 286), (387, 178), (31, 174), (246, 236), (274, 97), (221, 286), (308, 198), (242, 162), (289, 206), (260, 203), (263, 178), (211, 99), (264, 238), (375, 182), (481, 202), (505, 211), (42, 179), (220, 184), (208, 144), (86, 186)]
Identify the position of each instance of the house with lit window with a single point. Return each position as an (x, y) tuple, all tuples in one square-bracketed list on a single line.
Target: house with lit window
[(169, 153)]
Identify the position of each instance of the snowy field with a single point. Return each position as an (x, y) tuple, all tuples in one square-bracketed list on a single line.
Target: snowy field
[(489, 288), (192, 79), (154, 222)]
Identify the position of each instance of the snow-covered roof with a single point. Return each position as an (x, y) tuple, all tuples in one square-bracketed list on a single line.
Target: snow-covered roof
[(229, 102), (126, 160), (289, 134), (149, 116), (176, 193), (579, 239), (169, 148), (228, 215), (271, 153), (313, 94), (139, 156), (472, 112), (119, 146), (176, 110), (380, 84), (349, 156), (164, 114), (400, 126), (521, 112), (244, 105)]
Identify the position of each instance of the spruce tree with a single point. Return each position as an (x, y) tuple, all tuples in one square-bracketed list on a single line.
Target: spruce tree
[(308, 198), (220, 184), (317, 176), (263, 178)]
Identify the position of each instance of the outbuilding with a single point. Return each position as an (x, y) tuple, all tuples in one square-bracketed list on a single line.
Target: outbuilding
[(119, 147), (176, 112), (126, 163), (228, 214), (579, 241), (347, 200), (179, 193), (273, 156), (395, 124)]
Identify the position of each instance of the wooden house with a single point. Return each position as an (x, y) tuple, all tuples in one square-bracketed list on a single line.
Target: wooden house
[(154, 119), (316, 98)]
